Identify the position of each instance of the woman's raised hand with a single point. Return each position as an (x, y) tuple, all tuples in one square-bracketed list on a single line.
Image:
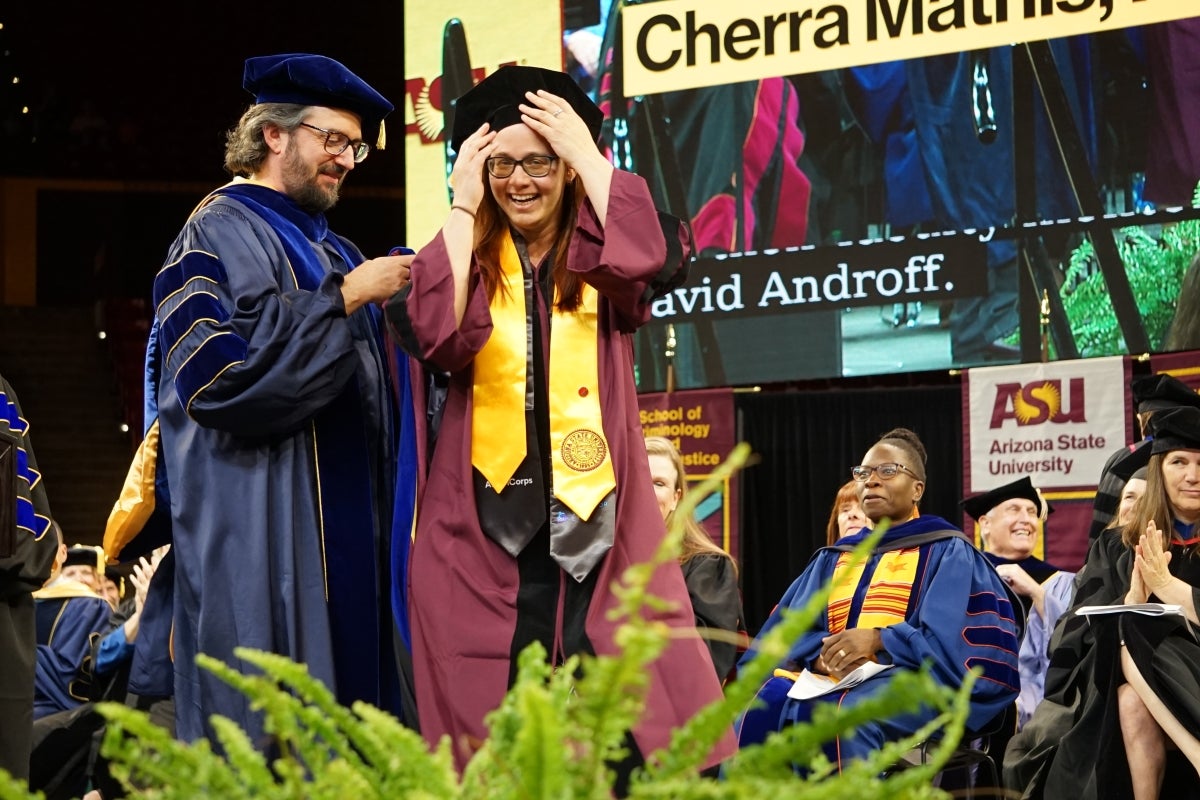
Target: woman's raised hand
[(1151, 559), (552, 118), (467, 178)]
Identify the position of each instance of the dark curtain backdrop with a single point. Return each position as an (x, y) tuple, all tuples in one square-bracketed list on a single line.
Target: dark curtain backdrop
[(806, 443)]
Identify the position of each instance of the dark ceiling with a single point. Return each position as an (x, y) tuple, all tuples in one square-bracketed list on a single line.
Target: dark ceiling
[(141, 90)]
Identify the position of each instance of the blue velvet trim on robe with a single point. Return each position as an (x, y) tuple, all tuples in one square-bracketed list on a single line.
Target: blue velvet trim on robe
[(197, 307), (151, 673), (194, 265), (217, 354), (27, 519), (223, 349), (988, 610), (404, 510)]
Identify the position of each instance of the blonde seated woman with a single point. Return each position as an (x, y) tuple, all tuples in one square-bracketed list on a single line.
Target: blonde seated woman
[(709, 572)]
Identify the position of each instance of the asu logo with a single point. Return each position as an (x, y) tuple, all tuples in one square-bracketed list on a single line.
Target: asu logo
[(425, 100), (1038, 402), (425, 114)]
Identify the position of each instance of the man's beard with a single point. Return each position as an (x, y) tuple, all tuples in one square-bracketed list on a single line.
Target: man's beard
[(301, 182)]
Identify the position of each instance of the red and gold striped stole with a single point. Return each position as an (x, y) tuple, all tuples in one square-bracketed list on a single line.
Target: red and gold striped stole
[(887, 596)]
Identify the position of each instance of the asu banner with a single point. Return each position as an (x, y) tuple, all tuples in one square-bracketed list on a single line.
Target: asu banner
[(700, 424), (684, 44), (1056, 423)]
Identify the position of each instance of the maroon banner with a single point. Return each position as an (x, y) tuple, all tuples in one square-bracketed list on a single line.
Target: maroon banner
[(1184, 365), (700, 423)]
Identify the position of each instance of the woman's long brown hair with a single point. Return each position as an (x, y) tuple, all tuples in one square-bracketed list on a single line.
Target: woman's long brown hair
[(491, 223), (1154, 505)]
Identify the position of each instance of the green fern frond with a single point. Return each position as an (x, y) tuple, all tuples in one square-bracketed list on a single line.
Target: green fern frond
[(556, 734), (245, 760), (14, 789), (143, 754)]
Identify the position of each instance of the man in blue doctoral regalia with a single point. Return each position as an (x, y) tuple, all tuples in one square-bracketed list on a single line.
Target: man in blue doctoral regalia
[(279, 429)]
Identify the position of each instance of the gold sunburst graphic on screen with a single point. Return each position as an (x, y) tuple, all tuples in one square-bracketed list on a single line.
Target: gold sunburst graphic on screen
[(429, 119), (1027, 412)]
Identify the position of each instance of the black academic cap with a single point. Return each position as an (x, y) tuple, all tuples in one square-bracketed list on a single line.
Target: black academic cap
[(87, 555), (1136, 457), (982, 503), (119, 574), (1159, 391), (312, 80), (494, 100), (1175, 429)]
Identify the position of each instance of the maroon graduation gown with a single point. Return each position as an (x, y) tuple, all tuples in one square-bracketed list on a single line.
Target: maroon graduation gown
[(462, 585)]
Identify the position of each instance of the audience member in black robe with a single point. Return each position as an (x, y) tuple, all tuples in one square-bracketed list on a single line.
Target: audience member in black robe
[(1030, 751), (1130, 683), (710, 573), (1151, 393)]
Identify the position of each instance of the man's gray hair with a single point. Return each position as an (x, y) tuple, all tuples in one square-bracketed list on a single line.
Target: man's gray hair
[(245, 148)]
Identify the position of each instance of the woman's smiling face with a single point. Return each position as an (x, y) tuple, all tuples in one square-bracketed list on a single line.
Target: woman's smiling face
[(532, 205)]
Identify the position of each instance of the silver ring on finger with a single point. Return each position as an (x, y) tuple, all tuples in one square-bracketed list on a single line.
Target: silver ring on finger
[(556, 113)]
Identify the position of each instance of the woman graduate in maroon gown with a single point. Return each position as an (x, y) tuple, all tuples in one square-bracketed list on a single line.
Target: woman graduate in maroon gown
[(537, 493)]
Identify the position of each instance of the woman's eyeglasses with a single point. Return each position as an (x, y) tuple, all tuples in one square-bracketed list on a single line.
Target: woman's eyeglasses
[(534, 166), (885, 471)]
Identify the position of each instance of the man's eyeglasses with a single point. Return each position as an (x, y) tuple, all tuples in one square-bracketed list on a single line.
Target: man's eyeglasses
[(336, 143), (534, 166), (885, 471)]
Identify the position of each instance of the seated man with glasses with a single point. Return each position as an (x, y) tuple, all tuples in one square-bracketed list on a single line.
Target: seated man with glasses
[(925, 596)]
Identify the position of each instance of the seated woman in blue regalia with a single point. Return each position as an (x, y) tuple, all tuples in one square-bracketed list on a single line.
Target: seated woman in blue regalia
[(924, 596)]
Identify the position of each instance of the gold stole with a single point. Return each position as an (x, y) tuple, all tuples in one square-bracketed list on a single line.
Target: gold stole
[(887, 596), (582, 467)]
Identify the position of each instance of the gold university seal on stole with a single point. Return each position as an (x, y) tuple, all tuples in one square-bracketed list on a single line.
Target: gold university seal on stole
[(583, 450)]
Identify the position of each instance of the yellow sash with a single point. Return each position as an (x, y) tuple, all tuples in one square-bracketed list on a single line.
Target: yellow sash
[(887, 596), (498, 393), (581, 464)]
